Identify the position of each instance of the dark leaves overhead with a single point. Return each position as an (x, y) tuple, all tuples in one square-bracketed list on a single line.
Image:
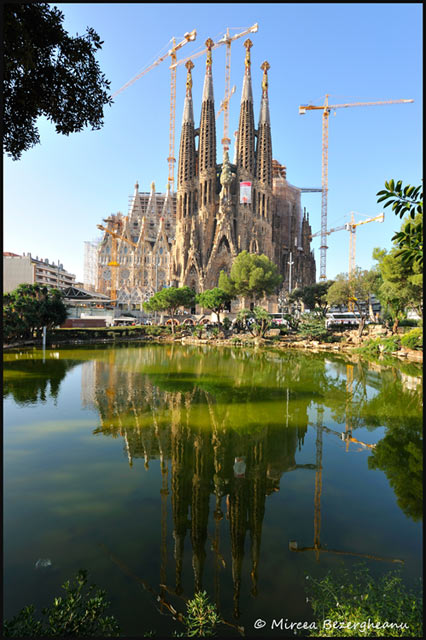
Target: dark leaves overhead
[(48, 73)]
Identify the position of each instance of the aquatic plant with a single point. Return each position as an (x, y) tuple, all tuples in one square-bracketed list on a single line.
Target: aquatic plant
[(81, 613), (358, 605)]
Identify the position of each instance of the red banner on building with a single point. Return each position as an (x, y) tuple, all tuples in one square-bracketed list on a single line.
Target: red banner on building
[(245, 192)]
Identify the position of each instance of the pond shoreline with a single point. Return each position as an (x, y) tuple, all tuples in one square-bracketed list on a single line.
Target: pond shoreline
[(245, 340)]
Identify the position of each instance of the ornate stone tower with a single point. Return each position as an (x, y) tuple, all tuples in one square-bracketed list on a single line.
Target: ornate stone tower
[(187, 186), (207, 162), (263, 204), (245, 155)]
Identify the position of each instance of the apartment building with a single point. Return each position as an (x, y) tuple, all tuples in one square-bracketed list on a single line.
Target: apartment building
[(25, 269)]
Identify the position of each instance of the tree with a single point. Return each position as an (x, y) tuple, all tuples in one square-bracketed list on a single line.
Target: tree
[(169, 300), (406, 201), (214, 299), (313, 296), (29, 308), (358, 288), (257, 321), (252, 276), (48, 73), (401, 285)]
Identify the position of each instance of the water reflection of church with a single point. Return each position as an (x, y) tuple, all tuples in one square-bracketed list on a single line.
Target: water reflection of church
[(215, 471), (219, 464)]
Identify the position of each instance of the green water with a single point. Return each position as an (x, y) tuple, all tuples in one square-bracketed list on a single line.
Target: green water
[(200, 468)]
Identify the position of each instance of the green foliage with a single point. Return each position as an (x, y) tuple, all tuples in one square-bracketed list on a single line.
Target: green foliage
[(350, 600), (252, 275), (257, 321), (157, 330), (413, 339), (376, 346), (400, 455), (358, 288), (401, 285), (313, 327), (29, 308), (313, 296), (169, 300), (406, 200), (408, 322), (214, 299), (201, 618), (292, 321), (79, 614), (226, 323), (48, 73)]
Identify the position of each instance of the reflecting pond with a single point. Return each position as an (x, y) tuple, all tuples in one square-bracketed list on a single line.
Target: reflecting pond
[(164, 470)]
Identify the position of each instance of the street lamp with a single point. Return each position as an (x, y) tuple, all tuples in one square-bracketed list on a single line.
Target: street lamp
[(290, 263)]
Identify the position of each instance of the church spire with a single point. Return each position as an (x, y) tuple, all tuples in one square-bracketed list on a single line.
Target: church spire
[(186, 165), (264, 142), (188, 112), (207, 148), (246, 131)]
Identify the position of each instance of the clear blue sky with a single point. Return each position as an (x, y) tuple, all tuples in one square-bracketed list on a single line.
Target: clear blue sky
[(61, 189)]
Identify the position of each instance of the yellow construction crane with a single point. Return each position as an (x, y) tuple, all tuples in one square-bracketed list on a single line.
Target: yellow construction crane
[(188, 37), (228, 40), (224, 106), (113, 262), (326, 108), (351, 227)]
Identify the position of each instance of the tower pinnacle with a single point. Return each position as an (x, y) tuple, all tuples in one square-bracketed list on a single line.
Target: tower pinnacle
[(189, 65), (248, 45), (265, 66), (208, 80), (188, 112), (264, 105)]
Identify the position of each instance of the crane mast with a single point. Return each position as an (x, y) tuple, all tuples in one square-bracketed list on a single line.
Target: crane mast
[(188, 37), (351, 227), (326, 108)]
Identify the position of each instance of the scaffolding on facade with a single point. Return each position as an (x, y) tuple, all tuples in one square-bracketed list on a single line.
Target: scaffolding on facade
[(90, 264)]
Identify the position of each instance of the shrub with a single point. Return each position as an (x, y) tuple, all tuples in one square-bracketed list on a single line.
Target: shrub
[(201, 618), (376, 346), (79, 614), (358, 598), (312, 327), (226, 323), (408, 322), (413, 339), (157, 330)]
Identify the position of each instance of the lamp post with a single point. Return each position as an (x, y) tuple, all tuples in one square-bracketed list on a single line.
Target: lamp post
[(290, 263)]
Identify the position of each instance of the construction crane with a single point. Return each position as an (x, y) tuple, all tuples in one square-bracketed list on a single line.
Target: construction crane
[(224, 106), (188, 37), (351, 227), (326, 108), (317, 547), (113, 262), (228, 40)]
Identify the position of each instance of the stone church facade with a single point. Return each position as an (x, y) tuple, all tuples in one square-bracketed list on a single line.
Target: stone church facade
[(218, 210)]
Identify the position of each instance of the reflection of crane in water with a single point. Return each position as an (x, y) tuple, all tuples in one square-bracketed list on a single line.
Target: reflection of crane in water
[(293, 545), (164, 492)]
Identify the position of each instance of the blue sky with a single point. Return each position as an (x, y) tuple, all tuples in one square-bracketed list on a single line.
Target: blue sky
[(61, 189)]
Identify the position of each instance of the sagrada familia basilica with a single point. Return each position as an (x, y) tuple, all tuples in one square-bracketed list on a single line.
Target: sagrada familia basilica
[(218, 210)]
